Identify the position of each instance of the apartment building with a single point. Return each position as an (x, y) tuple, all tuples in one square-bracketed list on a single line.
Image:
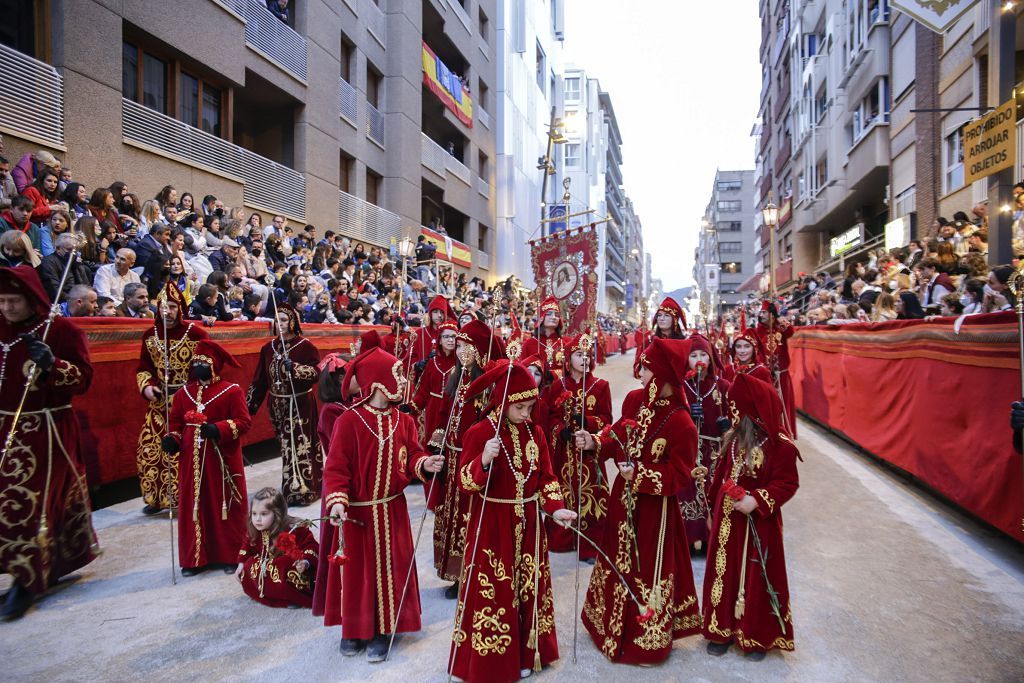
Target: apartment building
[(371, 117), (725, 256), (592, 162), (529, 87)]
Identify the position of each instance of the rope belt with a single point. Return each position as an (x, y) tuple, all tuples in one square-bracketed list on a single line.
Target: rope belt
[(301, 393), (436, 395), (43, 411), (368, 503), (511, 501), (716, 439)]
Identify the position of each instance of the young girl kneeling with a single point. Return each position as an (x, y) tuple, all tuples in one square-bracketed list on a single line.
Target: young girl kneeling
[(277, 561)]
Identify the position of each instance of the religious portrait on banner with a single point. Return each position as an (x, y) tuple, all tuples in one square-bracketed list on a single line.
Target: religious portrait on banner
[(564, 266)]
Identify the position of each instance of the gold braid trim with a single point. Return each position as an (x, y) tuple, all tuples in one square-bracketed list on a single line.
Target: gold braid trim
[(552, 491), (467, 479), (234, 430), (524, 395), (335, 498)]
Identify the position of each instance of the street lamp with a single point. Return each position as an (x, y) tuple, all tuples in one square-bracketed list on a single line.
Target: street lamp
[(407, 250), (770, 214)]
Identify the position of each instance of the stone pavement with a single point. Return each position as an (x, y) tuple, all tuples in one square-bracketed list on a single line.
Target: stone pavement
[(887, 584)]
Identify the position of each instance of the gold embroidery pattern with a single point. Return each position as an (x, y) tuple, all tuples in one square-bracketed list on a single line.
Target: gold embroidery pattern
[(622, 558), (467, 479), (68, 374), (234, 430), (652, 476), (657, 634), (499, 640), (335, 498), (142, 379), (594, 606), (768, 500)]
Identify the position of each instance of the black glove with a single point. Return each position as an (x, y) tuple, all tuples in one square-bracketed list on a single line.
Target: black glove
[(288, 364), (577, 420), (253, 409), (420, 365), (405, 408), (723, 424), (209, 431), (39, 352), (1017, 415), (568, 434), (696, 411), (169, 445)]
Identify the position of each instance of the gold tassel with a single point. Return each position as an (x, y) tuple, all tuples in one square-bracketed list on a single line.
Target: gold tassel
[(741, 605), (536, 661), (531, 643), (223, 511)]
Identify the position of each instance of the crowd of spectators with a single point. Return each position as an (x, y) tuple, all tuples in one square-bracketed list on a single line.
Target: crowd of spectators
[(226, 263), (948, 275)]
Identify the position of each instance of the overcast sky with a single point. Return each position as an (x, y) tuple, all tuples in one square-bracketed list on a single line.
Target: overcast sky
[(684, 79)]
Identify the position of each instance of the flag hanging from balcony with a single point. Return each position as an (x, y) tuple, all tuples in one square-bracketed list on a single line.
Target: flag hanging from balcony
[(447, 86), (565, 267)]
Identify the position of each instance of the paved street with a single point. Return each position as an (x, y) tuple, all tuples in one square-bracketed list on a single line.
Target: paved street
[(887, 585)]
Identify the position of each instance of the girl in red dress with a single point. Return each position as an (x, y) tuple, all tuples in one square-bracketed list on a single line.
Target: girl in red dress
[(505, 619), (746, 593), (589, 403), (277, 562), (748, 356), (654, 445), (705, 392)]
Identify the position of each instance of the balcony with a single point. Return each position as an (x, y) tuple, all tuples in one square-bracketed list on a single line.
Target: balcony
[(348, 102), (358, 219), (482, 116), (868, 156), (460, 12), (374, 124), (433, 156), (266, 184), (483, 188), (376, 22), (449, 249), (32, 99), (271, 37)]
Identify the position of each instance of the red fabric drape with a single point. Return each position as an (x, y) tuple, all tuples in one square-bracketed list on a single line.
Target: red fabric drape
[(111, 412), (929, 400)]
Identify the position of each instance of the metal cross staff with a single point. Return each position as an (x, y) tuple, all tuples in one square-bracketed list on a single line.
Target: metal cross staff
[(164, 312)]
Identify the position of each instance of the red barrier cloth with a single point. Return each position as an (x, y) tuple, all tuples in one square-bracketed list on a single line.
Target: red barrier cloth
[(932, 402), (111, 412)]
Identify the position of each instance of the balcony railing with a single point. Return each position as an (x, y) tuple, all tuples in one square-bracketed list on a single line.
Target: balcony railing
[(433, 156), (376, 22), (374, 124), (358, 219), (483, 188), (266, 184), (271, 37), (482, 116), (457, 169), (32, 98), (348, 101), (460, 12)]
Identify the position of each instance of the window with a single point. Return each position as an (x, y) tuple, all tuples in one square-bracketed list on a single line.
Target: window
[(732, 267), (154, 83), (871, 110), (572, 89), (801, 186), (189, 95), (211, 110), (483, 238), (485, 27), (347, 57), (953, 161), (374, 85), (730, 247), (820, 174), (542, 68), (821, 104), (730, 185), (730, 226), (373, 187), (345, 173), (130, 72), (573, 151), (730, 205)]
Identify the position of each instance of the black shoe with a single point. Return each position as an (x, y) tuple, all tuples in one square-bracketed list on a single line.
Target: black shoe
[(377, 649), (192, 571), (590, 560), (717, 649), (16, 603), (151, 510), (229, 568), (350, 647), (452, 591), (756, 655)]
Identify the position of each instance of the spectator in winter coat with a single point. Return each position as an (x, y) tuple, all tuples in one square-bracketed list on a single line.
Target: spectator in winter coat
[(29, 166), (18, 218), (52, 268)]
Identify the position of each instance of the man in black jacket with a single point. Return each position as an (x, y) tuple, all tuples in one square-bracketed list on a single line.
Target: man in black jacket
[(226, 256), (157, 239), (52, 268), (209, 306)]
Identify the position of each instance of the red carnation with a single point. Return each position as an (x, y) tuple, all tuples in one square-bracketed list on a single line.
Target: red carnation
[(734, 490), (562, 398), (646, 616), (338, 559), (287, 546), (690, 374), (605, 431), (629, 424), (701, 367), (195, 417)]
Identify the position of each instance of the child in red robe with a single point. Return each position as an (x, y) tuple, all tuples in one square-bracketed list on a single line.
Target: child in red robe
[(746, 593), (581, 475), (374, 453), (278, 559), (654, 445), (208, 418), (505, 619)]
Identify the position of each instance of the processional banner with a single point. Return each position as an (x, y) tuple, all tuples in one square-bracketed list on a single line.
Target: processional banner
[(565, 267)]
